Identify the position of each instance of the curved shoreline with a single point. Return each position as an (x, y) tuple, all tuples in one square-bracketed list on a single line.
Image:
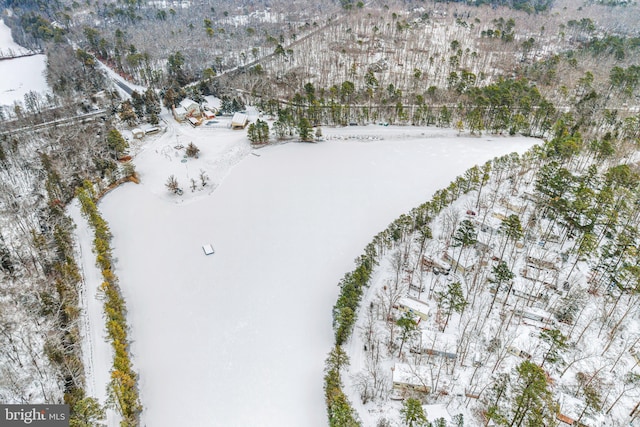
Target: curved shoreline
[(225, 306)]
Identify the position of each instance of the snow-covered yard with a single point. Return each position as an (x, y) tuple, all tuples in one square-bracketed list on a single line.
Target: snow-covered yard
[(238, 338), (19, 75)]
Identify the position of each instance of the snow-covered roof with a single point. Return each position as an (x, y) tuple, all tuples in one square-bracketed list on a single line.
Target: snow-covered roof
[(440, 341), (527, 291), (180, 111), (187, 104), (458, 263), (151, 129), (415, 375), (542, 262), (515, 207), (570, 406), (239, 119), (414, 305), (534, 313), (212, 102)]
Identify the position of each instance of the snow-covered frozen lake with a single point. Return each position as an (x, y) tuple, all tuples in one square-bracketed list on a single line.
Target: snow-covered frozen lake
[(19, 75), (239, 338)]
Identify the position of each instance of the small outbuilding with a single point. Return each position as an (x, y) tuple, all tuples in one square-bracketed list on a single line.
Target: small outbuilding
[(137, 133), (208, 249), (239, 121), (151, 130), (527, 294), (519, 353), (481, 248), (211, 103)]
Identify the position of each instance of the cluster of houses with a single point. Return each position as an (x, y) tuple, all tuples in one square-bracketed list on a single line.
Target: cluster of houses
[(532, 290), (195, 114), (411, 380), (416, 379)]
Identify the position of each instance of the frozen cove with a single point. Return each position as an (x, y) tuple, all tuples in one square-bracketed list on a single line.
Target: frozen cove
[(238, 338)]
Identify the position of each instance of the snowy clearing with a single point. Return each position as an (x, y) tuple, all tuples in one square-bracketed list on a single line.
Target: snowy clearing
[(19, 75), (22, 75), (244, 332), (7, 44)]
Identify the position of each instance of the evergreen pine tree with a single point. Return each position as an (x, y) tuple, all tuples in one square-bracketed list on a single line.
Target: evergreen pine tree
[(464, 236), (533, 404), (138, 104), (258, 132), (86, 413), (304, 129), (192, 150), (452, 300), (557, 341), (501, 275), (412, 413), (408, 327), (116, 143)]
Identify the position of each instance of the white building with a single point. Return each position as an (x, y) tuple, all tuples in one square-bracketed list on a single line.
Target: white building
[(411, 379), (186, 108), (414, 306), (438, 344)]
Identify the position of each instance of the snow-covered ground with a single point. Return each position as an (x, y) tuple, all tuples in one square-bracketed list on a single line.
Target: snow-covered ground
[(96, 350), (19, 75), (487, 341), (7, 44), (239, 338)]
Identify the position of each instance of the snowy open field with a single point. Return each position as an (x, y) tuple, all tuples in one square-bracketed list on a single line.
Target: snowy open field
[(7, 44), (239, 338), (19, 75)]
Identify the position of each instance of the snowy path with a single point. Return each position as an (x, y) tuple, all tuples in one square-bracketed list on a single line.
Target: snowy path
[(239, 338), (96, 350)]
